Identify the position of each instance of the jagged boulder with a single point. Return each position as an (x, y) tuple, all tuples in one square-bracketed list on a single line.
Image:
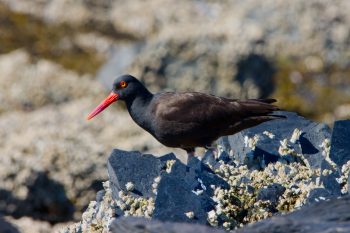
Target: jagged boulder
[(293, 139), (235, 185), (179, 193)]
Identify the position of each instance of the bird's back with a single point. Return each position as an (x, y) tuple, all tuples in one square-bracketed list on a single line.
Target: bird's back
[(193, 119)]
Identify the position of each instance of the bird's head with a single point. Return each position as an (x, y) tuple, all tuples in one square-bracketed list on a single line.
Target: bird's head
[(124, 87)]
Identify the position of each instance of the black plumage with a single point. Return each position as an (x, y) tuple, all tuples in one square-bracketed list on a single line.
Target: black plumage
[(190, 119)]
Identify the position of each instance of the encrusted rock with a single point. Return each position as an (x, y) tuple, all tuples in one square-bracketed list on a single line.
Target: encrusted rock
[(340, 147), (177, 189), (271, 193), (140, 225), (335, 168), (294, 139), (329, 216)]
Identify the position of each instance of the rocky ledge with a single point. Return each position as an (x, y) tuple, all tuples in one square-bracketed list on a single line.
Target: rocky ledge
[(275, 168)]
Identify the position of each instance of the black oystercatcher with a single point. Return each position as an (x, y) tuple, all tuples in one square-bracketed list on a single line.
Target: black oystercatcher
[(189, 119)]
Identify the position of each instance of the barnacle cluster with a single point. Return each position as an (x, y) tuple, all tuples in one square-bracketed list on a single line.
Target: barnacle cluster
[(135, 206), (343, 180), (97, 216), (240, 204), (169, 164)]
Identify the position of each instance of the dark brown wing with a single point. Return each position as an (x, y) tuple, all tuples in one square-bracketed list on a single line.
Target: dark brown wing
[(194, 114)]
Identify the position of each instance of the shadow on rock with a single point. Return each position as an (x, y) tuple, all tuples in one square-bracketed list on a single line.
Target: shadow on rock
[(46, 200)]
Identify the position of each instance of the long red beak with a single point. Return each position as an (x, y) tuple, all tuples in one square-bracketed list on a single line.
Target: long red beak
[(104, 104)]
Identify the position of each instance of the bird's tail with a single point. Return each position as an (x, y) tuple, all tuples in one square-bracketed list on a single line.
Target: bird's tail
[(259, 107), (254, 112)]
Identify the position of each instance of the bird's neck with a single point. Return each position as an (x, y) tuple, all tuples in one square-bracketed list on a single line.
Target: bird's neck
[(138, 108)]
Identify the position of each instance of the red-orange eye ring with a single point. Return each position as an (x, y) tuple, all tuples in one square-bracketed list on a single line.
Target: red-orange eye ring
[(123, 84)]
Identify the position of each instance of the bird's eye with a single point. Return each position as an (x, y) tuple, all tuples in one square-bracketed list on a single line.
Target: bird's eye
[(123, 84)]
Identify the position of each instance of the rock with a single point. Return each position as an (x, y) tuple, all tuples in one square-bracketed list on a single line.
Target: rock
[(312, 218), (340, 147), (337, 160), (260, 145), (6, 227), (134, 167), (329, 216), (175, 188), (319, 194), (329, 178), (140, 225), (271, 193)]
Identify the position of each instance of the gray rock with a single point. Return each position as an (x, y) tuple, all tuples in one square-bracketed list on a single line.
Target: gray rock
[(181, 189), (340, 146), (267, 148), (339, 154), (319, 194), (330, 180), (315, 218), (271, 193), (140, 225), (139, 169), (324, 217)]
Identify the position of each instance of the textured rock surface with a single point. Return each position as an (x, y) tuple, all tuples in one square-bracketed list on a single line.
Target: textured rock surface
[(181, 193), (330, 216), (223, 47), (336, 169), (219, 190), (340, 150), (140, 225), (315, 218), (291, 139)]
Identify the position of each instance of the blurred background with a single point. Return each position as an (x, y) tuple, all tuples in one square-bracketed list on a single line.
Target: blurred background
[(59, 57)]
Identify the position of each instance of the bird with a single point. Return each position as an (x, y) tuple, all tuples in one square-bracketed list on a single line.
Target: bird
[(186, 120)]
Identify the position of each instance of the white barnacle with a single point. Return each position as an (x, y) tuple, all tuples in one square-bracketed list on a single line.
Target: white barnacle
[(296, 135), (269, 134), (129, 186), (157, 179), (251, 142), (169, 165), (121, 194), (284, 149), (197, 192), (190, 214), (212, 218)]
